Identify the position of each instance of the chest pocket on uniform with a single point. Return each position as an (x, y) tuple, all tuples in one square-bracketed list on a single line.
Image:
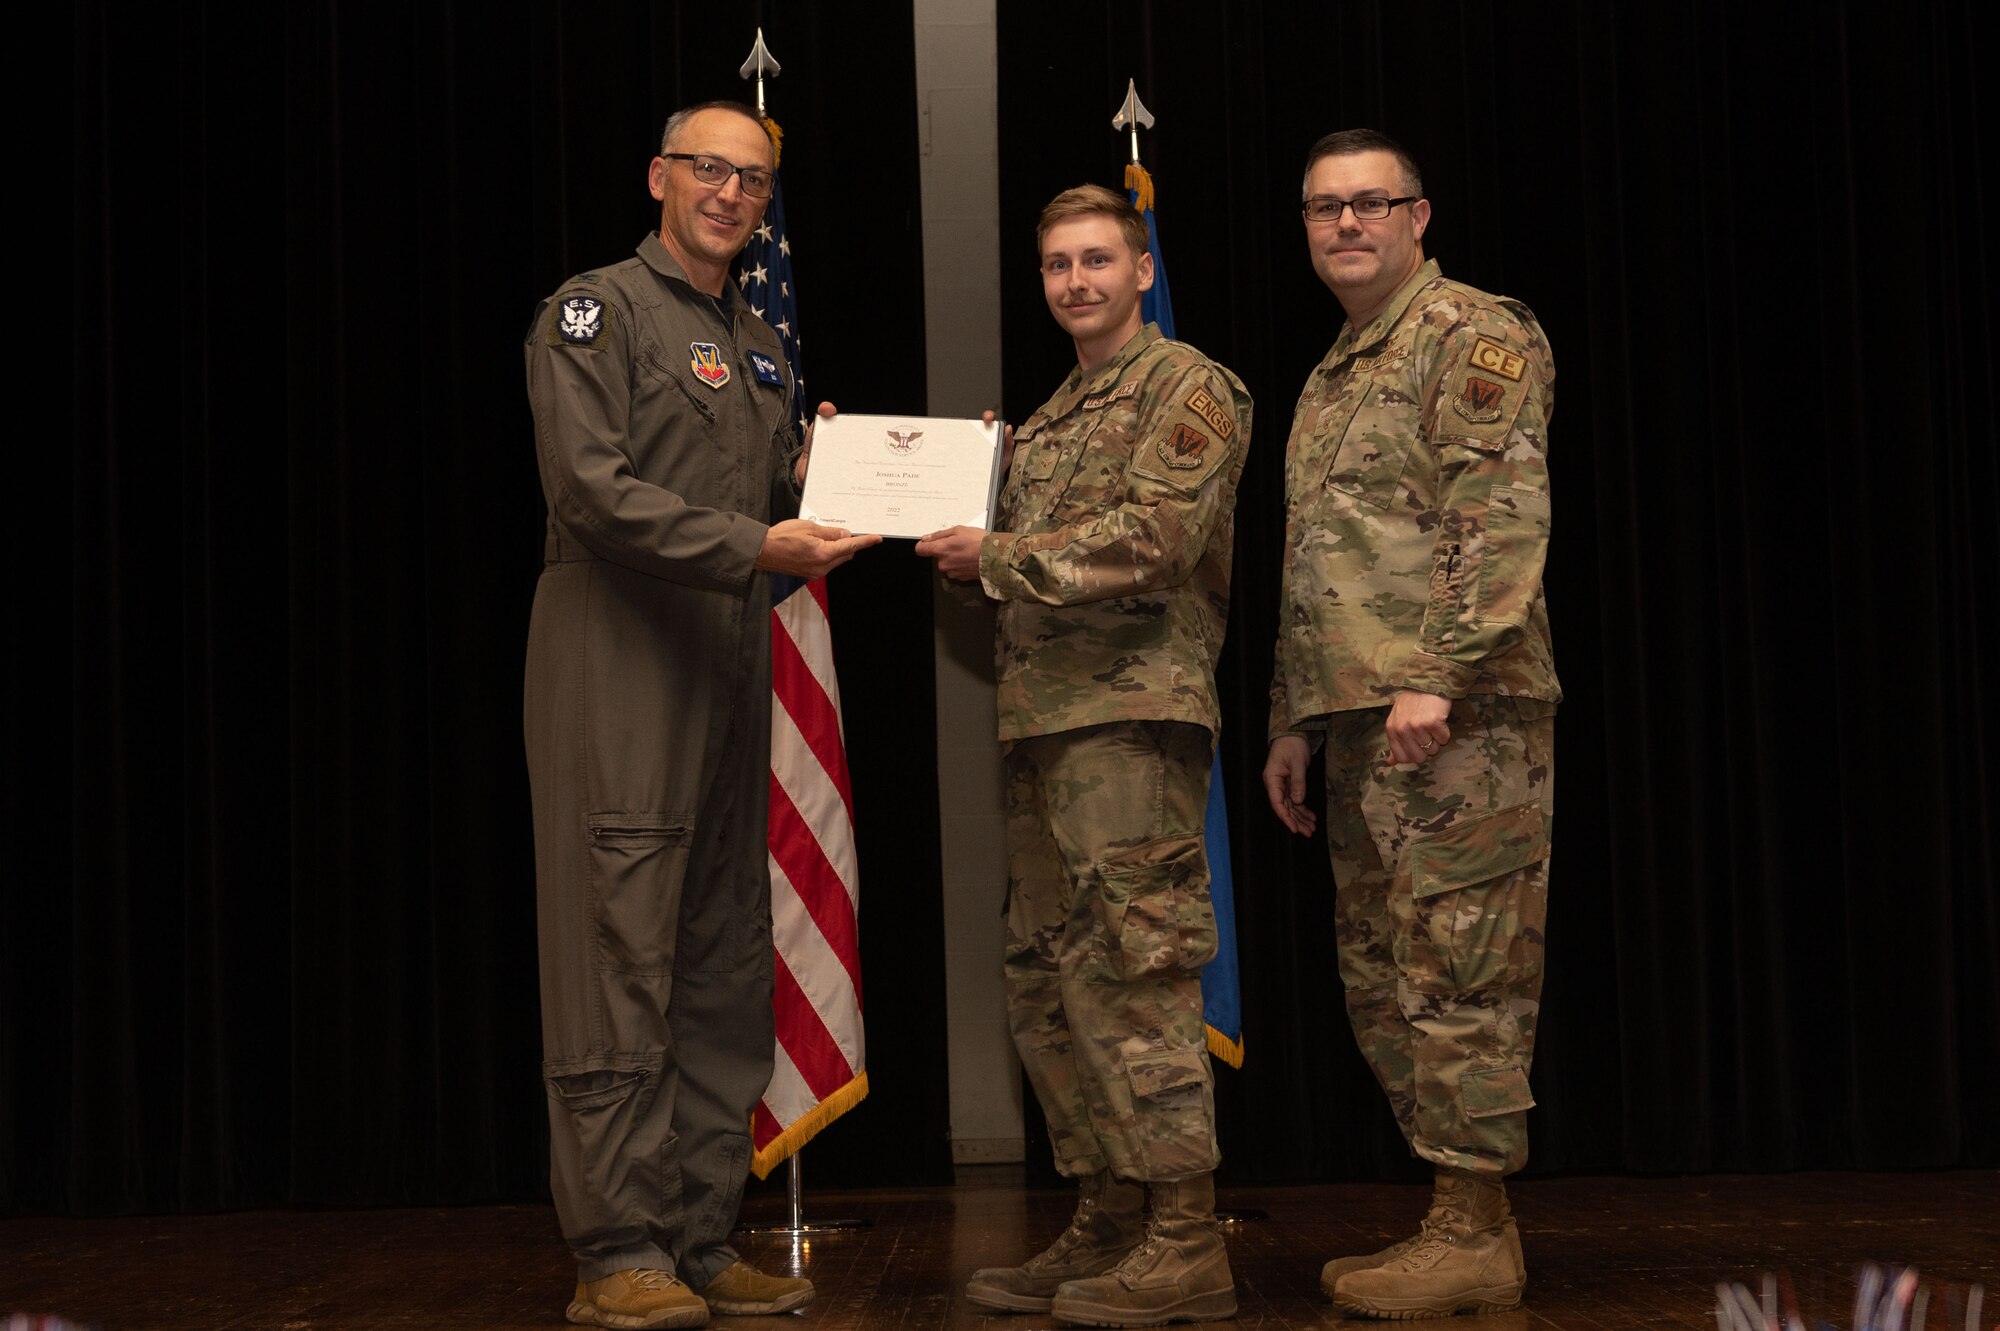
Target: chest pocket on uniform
[(1376, 444), (654, 363)]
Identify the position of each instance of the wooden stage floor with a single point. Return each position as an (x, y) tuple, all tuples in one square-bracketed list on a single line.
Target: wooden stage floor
[(1602, 1252)]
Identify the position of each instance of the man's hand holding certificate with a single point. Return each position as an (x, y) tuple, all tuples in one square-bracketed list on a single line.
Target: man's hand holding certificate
[(904, 476)]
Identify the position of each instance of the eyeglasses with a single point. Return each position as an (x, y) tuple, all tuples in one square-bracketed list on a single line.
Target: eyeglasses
[(1326, 208), (715, 173)]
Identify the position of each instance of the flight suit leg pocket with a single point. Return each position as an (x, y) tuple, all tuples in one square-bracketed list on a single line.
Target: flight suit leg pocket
[(601, 1109), (1157, 914), (1470, 888), (638, 862)]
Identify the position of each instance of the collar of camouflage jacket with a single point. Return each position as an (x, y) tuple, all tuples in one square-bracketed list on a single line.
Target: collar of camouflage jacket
[(1385, 323), (1082, 384)]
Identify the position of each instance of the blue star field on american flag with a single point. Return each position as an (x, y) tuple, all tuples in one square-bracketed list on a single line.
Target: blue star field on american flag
[(764, 272)]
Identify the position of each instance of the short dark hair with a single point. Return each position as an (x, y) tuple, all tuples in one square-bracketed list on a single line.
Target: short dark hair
[(1094, 201), (679, 119), (1347, 142)]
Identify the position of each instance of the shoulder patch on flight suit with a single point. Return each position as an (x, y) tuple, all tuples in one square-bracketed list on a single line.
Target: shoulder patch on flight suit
[(577, 320), (766, 369)]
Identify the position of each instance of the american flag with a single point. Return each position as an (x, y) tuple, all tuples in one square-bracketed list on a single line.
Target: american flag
[(820, 1067)]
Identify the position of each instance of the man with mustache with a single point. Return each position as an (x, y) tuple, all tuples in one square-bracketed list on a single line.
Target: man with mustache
[(1414, 645), (1111, 566), (670, 463)]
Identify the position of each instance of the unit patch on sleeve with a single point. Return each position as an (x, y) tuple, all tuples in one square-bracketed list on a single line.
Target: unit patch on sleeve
[(1498, 360), (1478, 400), (1204, 405), (1184, 448), (766, 369), (581, 319), (708, 365)]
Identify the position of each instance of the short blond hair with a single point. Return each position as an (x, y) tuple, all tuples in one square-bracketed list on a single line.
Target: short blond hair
[(1089, 200)]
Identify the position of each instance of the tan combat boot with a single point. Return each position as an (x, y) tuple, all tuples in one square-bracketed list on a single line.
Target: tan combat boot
[(1180, 1273), (1330, 1274), (1466, 1259), (1109, 1222), (635, 1299), (743, 1290)]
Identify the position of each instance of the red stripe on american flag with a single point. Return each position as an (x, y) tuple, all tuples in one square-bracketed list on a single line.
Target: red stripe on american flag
[(804, 698), (807, 1043), (812, 876), (764, 1127)]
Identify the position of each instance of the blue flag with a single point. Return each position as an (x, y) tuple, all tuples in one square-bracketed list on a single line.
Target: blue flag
[(1221, 982)]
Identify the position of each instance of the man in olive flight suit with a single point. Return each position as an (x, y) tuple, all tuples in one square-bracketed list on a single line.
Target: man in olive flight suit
[(1111, 566), (667, 448), (1414, 645)]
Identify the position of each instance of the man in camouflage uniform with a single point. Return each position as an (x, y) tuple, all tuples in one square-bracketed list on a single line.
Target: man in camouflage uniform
[(1112, 569), (1415, 646)]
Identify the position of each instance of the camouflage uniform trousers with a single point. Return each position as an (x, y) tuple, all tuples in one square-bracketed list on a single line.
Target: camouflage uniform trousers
[(1442, 878), (1108, 925)]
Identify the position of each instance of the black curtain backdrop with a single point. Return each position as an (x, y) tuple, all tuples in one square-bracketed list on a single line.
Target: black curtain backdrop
[(268, 914)]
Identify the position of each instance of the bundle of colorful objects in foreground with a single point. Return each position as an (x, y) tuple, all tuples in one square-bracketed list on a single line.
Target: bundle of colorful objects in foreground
[(1886, 1298)]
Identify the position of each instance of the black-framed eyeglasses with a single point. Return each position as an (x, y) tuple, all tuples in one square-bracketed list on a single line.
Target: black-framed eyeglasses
[(715, 173), (1326, 208)]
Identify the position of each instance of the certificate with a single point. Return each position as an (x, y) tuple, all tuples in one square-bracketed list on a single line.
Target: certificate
[(902, 475)]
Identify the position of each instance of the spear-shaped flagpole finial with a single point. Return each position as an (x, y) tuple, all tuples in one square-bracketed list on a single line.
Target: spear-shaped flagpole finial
[(1132, 115), (762, 62)]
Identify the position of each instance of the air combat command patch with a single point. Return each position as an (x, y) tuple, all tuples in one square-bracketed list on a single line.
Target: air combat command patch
[(1479, 400), (708, 365)]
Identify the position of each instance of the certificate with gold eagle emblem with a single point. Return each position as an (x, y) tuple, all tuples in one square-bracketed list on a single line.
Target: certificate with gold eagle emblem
[(903, 476)]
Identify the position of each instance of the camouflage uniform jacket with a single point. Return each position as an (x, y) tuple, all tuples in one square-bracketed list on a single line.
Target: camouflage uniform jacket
[(1117, 527), (1417, 510)]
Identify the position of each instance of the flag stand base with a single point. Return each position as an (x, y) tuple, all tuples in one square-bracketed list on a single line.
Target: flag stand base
[(1240, 1215), (795, 1222)]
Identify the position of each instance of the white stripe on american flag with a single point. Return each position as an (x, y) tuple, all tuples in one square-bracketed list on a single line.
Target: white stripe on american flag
[(787, 1097), (806, 622)]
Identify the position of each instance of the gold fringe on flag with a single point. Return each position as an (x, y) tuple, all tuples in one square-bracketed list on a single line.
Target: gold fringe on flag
[(780, 1148), (1221, 1046), (1138, 179), (777, 151)]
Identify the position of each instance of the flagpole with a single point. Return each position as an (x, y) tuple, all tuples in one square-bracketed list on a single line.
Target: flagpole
[(762, 63), (1131, 117)]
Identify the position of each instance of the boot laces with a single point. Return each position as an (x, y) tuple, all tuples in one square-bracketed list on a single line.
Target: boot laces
[(1136, 1261), (648, 1278), (1068, 1240)]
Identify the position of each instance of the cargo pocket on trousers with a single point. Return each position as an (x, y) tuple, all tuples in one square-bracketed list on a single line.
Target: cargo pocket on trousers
[(1468, 909), (1158, 916), (1170, 1103), (1492, 1092), (638, 862)]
